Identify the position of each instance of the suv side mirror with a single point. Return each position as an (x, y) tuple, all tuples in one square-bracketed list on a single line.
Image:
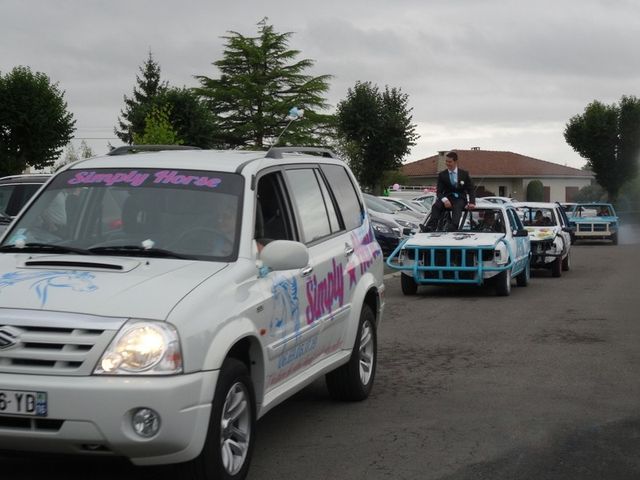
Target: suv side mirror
[(521, 233), (568, 229), (284, 255)]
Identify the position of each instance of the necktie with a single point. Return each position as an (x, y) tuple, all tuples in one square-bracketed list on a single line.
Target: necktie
[(452, 176)]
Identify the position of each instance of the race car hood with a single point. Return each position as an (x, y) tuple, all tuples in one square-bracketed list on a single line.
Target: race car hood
[(538, 234), (602, 219), (453, 239), (98, 285)]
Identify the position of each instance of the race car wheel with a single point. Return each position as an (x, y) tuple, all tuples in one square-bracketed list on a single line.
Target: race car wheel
[(614, 238), (408, 284), (353, 381), (503, 283), (566, 263), (522, 280), (556, 267)]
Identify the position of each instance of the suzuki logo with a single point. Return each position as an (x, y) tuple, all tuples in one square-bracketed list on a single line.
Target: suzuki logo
[(8, 337)]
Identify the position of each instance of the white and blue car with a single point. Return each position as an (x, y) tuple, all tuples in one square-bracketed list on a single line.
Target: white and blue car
[(550, 235), (594, 221), (490, 244)]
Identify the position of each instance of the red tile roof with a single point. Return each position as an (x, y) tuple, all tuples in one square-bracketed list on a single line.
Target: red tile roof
[(486, 163)]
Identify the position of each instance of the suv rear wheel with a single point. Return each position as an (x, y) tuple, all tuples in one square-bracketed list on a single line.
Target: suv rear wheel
[(354, 380)]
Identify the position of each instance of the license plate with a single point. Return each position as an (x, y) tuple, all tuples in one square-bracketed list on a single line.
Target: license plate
[(16, 402)]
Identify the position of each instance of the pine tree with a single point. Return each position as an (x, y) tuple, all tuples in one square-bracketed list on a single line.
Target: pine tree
[(149, 87), (260, 82)]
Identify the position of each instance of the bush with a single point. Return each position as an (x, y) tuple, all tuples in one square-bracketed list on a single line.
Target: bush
[(535, 191)]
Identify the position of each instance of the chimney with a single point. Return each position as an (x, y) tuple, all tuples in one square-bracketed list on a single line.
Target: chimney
[(440, 163)]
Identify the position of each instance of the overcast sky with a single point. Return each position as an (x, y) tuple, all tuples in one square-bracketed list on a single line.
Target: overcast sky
[(495, 74)]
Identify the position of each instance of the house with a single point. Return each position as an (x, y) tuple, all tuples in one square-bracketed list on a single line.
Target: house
[(506, 174)]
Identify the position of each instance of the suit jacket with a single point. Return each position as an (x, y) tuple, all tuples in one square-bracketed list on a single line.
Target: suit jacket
[(463, 187)]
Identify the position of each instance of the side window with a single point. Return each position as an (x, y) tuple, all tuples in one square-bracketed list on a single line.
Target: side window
[(311, 205), (345, 194), (331, 209), (514, 220), (273, 221)]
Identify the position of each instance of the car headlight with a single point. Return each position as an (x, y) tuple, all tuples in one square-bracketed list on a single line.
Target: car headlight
[(404, 223), (500, 254), (380, 227), (142, 347)]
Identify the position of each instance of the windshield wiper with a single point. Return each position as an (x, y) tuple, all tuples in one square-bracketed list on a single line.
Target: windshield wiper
[(137, 250), (34, 247)]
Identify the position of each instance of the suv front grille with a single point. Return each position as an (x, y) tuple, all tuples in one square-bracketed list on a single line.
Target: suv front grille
[(22, 423), (52, 351)]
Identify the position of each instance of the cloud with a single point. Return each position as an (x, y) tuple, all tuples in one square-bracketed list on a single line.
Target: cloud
[(507, 75)]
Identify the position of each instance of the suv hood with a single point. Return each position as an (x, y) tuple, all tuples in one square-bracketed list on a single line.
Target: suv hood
[(99, 285)]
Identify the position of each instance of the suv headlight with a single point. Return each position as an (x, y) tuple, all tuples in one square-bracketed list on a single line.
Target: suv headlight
[(142, 347)]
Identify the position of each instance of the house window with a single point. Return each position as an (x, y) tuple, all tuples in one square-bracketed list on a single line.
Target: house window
[(570, 193), (502, 191), (547, 194)]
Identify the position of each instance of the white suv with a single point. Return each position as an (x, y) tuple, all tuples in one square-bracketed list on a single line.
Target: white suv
[(183, 294)]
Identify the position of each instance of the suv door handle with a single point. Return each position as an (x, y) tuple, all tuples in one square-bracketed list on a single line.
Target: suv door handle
[(306, 271), (348, 250)]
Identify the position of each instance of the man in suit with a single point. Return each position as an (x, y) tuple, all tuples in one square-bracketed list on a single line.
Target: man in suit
[(454, 185)]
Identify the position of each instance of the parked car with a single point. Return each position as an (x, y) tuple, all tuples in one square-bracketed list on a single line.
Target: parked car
[(387, 231), (550, 235), (416, 208), (594, 221), (426, 199), (15, 192), (410, 222), (494, 199), (231, 280), (491, 244)]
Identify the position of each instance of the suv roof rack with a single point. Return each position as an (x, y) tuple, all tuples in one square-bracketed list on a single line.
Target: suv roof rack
[(148, 148), (276, 152)]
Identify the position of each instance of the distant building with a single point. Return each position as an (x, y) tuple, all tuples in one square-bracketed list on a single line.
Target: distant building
[(506, 174)]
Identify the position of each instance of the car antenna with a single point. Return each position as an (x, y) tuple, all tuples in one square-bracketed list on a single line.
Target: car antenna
[(294, 114)]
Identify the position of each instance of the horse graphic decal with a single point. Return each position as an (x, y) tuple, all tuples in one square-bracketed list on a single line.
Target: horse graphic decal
[(286, 307), (42, 282)]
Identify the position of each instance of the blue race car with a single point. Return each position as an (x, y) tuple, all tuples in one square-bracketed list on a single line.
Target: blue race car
[(594, 220)]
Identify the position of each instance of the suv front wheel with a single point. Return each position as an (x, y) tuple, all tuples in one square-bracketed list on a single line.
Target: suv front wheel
[(227, 450), (353, 381)]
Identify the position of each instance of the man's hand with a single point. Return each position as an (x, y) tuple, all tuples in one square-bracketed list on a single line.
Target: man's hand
[(471, 206), (447, 203)]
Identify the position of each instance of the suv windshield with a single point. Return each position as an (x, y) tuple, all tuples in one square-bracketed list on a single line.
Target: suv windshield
[(138, 212)]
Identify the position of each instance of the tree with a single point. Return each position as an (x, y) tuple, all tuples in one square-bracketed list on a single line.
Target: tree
[(191, 119), (535, 191), (259, 83), (143, 100), (85, 150), (71, 155), (34, 122), (158, 129), (608, 137), (375, 131)]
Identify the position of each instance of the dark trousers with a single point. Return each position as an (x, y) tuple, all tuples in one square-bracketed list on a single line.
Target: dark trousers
[(438, 208)]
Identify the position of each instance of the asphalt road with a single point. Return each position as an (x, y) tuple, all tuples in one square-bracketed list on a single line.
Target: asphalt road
[(540, 385)]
